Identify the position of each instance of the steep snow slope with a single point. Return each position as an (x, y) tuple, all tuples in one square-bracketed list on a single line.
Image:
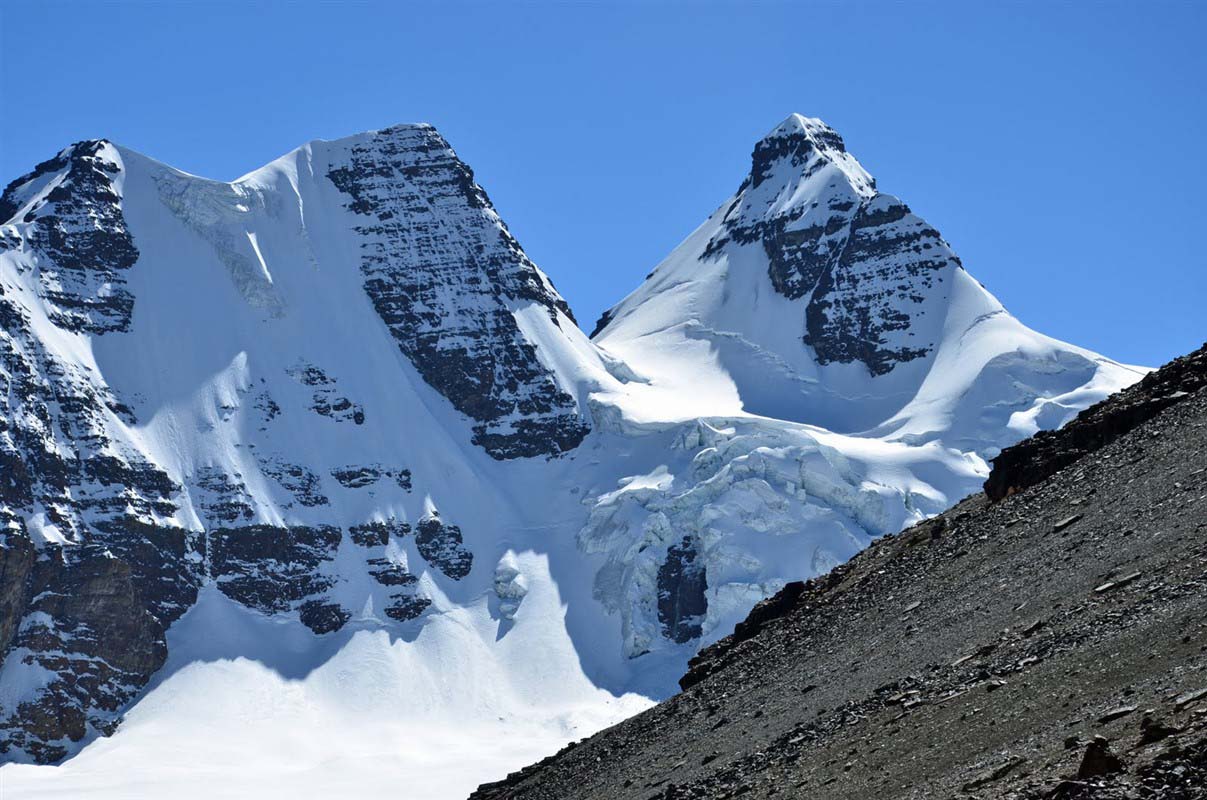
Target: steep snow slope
[(251, 706), (810, 296), (324, 441)]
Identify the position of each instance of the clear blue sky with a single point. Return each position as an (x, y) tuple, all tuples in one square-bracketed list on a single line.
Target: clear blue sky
[(1058, 146)]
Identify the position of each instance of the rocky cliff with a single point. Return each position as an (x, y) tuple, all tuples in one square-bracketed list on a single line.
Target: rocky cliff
[(334, 402)]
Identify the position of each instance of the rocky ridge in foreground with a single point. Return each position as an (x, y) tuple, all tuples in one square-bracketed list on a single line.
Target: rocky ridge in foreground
[(1051, 644), (398, 420)]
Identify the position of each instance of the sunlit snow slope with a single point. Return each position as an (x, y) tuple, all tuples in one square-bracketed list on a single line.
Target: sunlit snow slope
[(310, 482)]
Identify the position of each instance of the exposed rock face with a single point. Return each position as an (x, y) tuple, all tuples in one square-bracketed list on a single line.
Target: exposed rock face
[(223, 498), (89, 630), (866, 264), (92, 618), (444, 273), (71, 213), (303, 484), (278, 569), (326, 400), (682, 583), (358, 477), (102, 547), (441, 545), (376, 313), (852, 315), (92, 570), (373, 534), (601, 323), (1099, 760), (379, 538)]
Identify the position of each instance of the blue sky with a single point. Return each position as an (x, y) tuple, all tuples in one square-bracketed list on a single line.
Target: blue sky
[(1057, 146)]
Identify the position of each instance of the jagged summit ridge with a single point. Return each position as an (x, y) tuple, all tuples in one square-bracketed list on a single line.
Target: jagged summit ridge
[(440, 266), (811, 295), (69, 211), (860, 259), (806, 144), (334, 402), (417, 196), (266, 386)]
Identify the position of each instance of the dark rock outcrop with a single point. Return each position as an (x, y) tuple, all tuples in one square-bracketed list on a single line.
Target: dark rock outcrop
[(378, 533), (91, 629), (93, 617), (682, 583), (275, 569), (305, 486), (223, 498), (326, 400), (891, 262), (90, 574), (80, 234), (1033, 460), (1099, 760), (356, 476), (441, 545), (601, 323), (405, 603), (443, 272), (865, 262)]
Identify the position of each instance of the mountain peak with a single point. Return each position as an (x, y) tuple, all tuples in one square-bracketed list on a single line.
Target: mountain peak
[(836, 289), (32, 187), (798, 123), (800, 148), (232, 410)]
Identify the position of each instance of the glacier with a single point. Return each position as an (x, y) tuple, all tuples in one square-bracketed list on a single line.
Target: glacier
[(312, 484)]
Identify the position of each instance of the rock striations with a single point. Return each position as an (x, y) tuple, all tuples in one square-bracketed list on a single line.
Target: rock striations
[(450, 308), (811, 296), (104, 548), (864, 263), (335, 399)]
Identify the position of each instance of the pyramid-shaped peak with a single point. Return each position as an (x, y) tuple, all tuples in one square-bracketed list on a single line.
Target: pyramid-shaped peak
[(800, 124), (797, 130), (797, 149)]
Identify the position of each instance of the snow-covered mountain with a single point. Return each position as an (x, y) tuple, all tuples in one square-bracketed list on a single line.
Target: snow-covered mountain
[(812, 297), (323, 449)]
